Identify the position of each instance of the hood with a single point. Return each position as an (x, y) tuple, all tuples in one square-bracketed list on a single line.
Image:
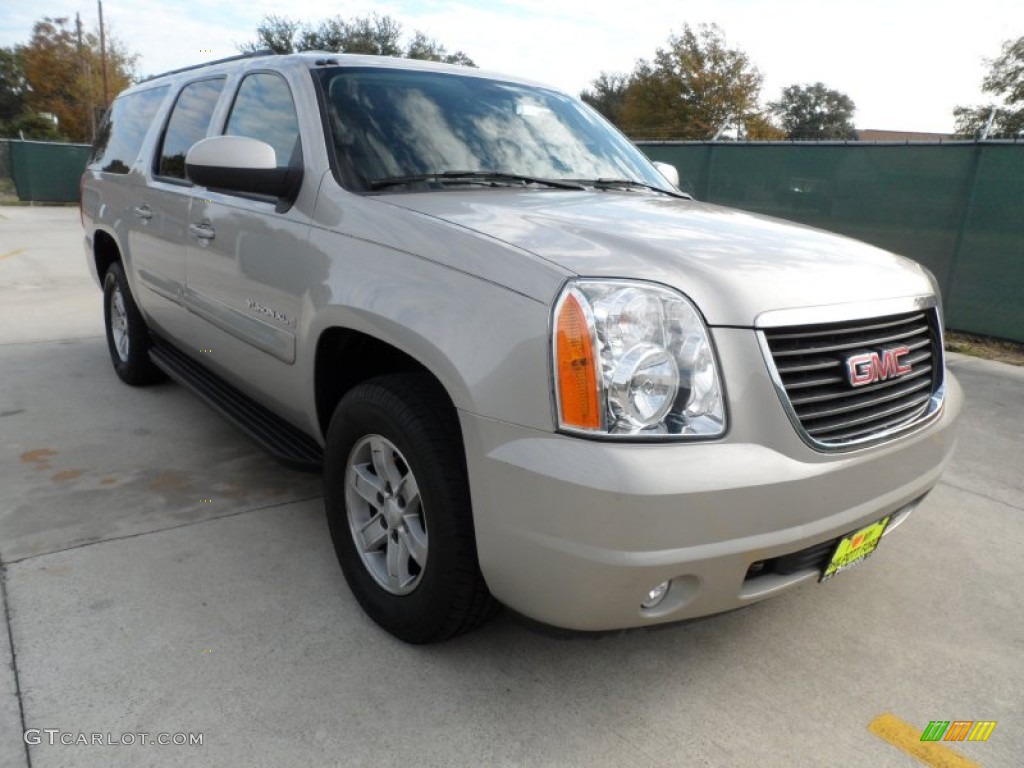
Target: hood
[(733, 265)]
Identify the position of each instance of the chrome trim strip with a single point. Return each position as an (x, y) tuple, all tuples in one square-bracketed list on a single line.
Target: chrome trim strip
[(842, 313)]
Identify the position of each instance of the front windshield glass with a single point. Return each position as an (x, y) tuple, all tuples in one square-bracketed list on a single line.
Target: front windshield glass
[(392, 123)]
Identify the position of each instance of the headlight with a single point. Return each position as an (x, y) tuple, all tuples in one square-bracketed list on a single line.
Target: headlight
[(633, 360)]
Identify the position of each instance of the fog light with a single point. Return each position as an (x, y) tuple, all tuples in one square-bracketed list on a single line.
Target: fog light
[(655, 595)]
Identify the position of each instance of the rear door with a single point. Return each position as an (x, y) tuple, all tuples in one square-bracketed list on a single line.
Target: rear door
[(158, 240), (116, 176)]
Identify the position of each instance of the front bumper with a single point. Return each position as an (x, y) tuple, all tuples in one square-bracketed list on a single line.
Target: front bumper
[(574, 532)]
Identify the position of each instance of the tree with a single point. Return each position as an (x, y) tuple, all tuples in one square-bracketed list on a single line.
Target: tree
[(65, 81), (1005, 80), (428, 49), (15, 118), (809, 112), (374, 35), (608, 94), (12, 84), (274, 33), (695, 88)]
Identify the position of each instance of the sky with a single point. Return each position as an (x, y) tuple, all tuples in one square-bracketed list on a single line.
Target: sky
[(905, 63)]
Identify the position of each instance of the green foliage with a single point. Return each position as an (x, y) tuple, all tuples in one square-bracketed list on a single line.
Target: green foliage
[(608, 94), (12, 84), (274, 33), (428, 49), (373, 35), (30, 125), (1005, 80), (808, 112), (696, 87)]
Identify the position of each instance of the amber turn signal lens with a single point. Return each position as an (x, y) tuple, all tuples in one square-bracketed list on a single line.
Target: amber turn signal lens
[(577, 374)]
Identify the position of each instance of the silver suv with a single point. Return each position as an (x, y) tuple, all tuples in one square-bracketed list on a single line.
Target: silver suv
[(532, 370)]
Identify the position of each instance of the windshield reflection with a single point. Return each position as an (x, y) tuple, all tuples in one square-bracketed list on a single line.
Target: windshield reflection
[(389, 123)]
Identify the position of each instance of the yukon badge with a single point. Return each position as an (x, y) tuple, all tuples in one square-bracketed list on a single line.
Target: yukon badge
[(263, 309), (869, 367)]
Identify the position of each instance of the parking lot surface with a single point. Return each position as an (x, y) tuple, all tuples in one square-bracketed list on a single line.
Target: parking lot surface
[(163, 576)]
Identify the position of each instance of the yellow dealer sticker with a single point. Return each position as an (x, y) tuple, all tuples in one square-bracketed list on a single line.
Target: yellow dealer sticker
[(854, 548)]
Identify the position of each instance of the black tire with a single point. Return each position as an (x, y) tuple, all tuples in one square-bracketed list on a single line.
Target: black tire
[(416, 417), (131, 361)]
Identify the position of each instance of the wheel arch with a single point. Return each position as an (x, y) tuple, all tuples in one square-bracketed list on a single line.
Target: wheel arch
[(105, 252), (370, 356)]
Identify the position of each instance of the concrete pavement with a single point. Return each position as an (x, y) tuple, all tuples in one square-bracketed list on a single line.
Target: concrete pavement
[(161, 575)]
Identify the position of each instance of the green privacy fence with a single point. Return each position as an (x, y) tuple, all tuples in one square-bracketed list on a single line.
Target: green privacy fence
[(957, 208), (46, 171)]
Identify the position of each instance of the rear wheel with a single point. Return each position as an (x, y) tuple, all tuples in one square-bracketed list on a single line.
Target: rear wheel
[(398, 509), (127, 337)]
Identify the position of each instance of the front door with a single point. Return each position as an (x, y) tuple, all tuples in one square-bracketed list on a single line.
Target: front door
[(249, 264)]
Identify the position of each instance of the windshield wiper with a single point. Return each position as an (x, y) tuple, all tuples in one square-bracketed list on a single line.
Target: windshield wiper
[(633, 184), (455, 177)]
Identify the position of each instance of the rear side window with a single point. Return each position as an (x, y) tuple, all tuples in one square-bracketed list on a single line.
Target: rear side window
[(188, 123), (264, 110), (124, 129)]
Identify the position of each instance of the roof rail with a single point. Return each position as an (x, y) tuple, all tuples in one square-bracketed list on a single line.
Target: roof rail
[(249, 55)]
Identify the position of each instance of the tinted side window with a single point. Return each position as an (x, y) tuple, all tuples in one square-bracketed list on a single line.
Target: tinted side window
[(124, 129), (264, 110), (188, 123)]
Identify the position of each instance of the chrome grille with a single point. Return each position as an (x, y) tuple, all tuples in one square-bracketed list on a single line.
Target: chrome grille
[(811, 367)]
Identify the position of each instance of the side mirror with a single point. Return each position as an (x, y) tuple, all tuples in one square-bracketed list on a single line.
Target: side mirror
[(669, 172), (240, 164)]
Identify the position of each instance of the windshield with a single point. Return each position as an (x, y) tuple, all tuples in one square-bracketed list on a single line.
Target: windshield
[(395, 124)]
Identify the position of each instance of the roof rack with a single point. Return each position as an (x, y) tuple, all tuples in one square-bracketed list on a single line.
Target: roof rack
[(249, 55)]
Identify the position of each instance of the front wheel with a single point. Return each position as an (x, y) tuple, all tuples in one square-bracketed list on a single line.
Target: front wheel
[(399, 512), (127, 337)]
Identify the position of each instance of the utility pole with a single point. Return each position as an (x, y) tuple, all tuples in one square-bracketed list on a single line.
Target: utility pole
[(87, 74), (103, 57)]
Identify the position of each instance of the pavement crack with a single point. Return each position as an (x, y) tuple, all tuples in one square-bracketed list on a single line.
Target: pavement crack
[(51, 341), (975, 492), (14, 659), (189, 524)]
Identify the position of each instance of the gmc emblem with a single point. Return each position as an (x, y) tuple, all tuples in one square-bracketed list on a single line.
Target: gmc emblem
[(869, 367)]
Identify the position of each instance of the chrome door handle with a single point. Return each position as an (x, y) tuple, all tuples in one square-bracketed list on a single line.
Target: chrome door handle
[(202, 231), (143, 212)]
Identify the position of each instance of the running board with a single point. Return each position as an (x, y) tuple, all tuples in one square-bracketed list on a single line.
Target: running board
[(286, 443)]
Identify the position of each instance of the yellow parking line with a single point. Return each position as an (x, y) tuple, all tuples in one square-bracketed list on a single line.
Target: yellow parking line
[(15, 252), (903, 735)]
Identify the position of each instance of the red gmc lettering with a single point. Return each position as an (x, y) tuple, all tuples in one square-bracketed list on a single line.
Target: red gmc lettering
[(869, 367)]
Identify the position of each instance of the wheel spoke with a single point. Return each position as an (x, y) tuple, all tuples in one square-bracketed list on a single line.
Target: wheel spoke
[(398, 563), (414, 539), (366, 484), (384, 462), (410, 493), (372, 533)]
